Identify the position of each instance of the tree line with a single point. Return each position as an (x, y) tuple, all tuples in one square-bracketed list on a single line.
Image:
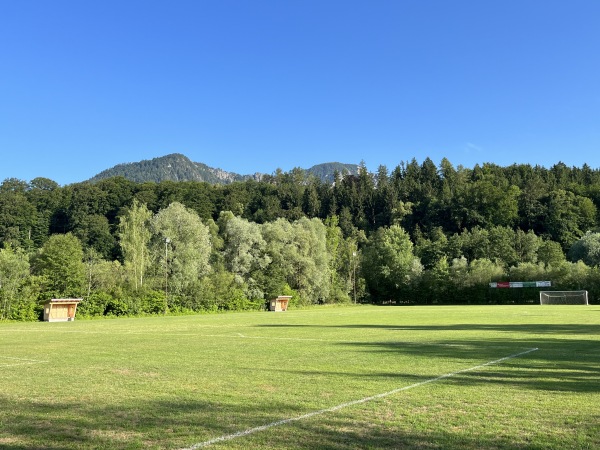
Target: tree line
[(418, 234)]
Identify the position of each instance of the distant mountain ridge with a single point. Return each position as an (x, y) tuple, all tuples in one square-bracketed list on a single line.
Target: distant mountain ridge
[(178, 167)]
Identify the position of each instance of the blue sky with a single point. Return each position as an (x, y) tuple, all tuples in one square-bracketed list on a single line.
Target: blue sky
[(252, 86)]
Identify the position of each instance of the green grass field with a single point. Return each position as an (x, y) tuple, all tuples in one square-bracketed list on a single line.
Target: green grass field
[(202, 381)]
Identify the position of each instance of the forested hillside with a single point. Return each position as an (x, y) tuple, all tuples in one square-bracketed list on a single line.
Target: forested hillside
[(174, 167), (418, 234), (177, 167)]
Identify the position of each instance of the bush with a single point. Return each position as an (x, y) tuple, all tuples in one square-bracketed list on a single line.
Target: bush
[(94, 305), (116, 307), (220, 291), (153, 302)]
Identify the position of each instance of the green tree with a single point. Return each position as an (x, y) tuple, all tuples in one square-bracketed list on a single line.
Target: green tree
[(569, 217), (299, 259), (586, 249), (481, 272), (476, 244), (389, 265), (187, 249), (60, 262), (311, 204), (526, 246), (134, 237), (219, 291), (342, 260), (290, 189), (18, 217), (45, 196), (116, 193), (245, 253), (532, 208), (502, 246), (14, 273), (94, 232), (528, 272), (435, 282), (431, 249), (312, 264), (82, 200), (102, 275), (385, 198), (491, 201), (550, 254)]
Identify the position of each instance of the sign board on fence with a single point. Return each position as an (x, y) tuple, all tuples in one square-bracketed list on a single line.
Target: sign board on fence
[(520, 284)]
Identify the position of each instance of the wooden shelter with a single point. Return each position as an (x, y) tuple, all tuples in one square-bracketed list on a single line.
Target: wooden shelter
[(60, 309), (280, 303)]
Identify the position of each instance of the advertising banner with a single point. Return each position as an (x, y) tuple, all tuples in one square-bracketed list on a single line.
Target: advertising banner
[(520, 284)]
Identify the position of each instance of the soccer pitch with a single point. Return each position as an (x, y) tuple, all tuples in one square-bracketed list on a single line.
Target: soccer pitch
[(445, 377)]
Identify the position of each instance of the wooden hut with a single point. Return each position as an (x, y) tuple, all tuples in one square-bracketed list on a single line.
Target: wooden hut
[(60, 309), (280, 303)]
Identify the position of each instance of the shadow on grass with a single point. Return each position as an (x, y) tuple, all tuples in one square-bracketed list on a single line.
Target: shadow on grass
[(340, 433), (565, 360), (173, 424), (552, 329), (135, 424)]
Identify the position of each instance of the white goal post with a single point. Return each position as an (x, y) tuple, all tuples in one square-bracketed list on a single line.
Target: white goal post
[(563, 297)]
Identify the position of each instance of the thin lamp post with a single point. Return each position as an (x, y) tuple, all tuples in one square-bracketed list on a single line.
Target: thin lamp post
[(354, 275), (167, 241)]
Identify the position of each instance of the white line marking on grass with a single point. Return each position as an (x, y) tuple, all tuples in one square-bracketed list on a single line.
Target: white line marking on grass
[(249, 431), (20, 361), (21, 364)]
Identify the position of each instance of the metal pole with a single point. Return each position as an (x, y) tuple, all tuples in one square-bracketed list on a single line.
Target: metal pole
[(354, 276), (167, 241)]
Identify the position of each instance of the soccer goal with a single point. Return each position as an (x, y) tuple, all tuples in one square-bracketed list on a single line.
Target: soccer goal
[(563, 298)]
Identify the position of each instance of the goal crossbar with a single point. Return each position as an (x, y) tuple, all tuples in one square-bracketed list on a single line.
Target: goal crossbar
[(564, 298)]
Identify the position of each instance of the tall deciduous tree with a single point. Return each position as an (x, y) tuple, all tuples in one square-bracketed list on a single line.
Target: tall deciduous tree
[(18, 217), (313, 262), (60, 262), (300, 258), (245, 253), (389, 264), (135, 234), (586, 249), (432, 249), (14, 272), (569, 217), (342, 254), (187, 248), (550, 254)]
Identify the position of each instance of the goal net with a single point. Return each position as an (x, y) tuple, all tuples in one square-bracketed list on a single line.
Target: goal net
[(563, 298)]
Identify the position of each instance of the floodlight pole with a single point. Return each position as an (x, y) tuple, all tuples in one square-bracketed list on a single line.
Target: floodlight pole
[(354, 275), (167, 241)]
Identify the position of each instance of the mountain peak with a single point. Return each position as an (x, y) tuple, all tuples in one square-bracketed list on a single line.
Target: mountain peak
[(178, 167)]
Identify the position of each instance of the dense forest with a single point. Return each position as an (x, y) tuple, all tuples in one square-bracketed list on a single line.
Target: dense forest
[(420, 234)]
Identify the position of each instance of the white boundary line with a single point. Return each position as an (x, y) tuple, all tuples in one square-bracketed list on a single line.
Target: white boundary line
[(249, 431), (268, 338), (23, 361)]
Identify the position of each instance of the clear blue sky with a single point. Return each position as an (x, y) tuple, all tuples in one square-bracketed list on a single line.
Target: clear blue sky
[(255, 85)]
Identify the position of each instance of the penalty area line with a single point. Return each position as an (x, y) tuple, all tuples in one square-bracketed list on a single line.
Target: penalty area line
[(249, 431)]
